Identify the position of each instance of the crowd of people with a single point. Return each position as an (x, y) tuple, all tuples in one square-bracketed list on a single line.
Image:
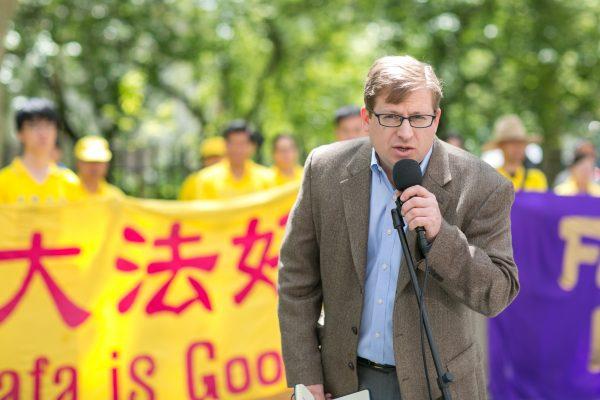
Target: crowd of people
[(228, 169)]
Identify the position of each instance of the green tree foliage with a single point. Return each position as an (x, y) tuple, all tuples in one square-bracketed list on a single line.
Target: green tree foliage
[(172, 72)]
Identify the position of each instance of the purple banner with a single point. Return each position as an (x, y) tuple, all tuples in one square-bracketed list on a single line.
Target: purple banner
[(546, 345)]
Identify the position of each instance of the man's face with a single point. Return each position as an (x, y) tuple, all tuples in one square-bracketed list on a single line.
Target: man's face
[(285, 154), (92, 171), (583, 171), (350, 128), (514, 151), (239, 147), (403, 142), (38, 136)]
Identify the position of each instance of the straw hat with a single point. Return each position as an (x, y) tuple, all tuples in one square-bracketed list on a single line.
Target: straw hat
[(92, 149), (509, 128)]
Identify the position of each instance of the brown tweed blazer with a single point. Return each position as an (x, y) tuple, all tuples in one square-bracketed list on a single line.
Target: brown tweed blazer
[(324, 256)]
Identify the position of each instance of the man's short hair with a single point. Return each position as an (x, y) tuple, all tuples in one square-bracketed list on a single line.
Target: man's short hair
[(397, 76), (237, 125), (346, 112), (282, 136), (36, 108)]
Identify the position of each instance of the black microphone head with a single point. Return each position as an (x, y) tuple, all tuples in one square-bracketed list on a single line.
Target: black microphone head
[(406, 173)]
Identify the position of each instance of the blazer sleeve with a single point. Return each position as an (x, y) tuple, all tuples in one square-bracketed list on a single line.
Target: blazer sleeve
[(300, 292), (477, 266)]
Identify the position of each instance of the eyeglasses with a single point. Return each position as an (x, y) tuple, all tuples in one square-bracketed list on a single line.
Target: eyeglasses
[(395, 120)]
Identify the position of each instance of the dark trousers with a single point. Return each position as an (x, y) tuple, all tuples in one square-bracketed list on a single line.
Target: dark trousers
[(382, 384)]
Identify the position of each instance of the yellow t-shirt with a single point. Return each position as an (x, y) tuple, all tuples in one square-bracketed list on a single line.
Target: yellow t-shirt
[(535, 182), (17, 186), (105, 191), (569, 188), (280, 179), (218, 182), (188, 188)]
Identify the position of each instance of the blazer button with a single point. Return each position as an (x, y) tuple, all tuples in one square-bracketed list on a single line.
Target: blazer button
[(355, 330), (351, 365)]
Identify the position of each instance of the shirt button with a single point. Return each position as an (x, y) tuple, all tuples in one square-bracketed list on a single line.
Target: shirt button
[(384, 266), (380, 301), (351, 366), (389, 232), (377, 334)]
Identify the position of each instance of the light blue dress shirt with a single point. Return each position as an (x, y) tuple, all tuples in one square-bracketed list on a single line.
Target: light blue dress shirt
[(384, 254)]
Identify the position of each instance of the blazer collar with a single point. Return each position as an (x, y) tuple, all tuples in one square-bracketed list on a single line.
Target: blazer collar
[(356, 196)]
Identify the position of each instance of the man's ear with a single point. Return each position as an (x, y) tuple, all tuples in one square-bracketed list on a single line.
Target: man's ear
[(364, 116)]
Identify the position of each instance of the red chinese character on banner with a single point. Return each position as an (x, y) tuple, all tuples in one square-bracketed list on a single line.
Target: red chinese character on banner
[(173, 266), (255, 272), (71, 314)]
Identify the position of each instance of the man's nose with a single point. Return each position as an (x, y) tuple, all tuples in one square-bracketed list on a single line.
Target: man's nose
[(404, 131)]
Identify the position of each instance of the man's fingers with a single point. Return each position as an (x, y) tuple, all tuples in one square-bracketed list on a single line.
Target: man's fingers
[(415, 202), (412, 191), (417, 212)]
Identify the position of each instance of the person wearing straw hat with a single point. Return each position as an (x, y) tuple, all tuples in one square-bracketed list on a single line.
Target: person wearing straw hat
[(93, 155), (511, 137), (581, 178)]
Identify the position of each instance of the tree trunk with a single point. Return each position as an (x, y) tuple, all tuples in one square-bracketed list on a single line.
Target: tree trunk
[(7, 8)]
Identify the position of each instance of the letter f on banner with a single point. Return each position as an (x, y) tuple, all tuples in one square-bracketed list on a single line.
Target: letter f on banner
[(572, 230)]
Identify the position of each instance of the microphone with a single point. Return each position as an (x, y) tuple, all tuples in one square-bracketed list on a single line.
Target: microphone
[(407, 173)]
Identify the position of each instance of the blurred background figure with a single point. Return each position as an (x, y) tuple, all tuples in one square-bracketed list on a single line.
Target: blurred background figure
[(581, 177), (35, 178), (212, 150), (583, 147), (348, 124), (236, 174), (285, 160), (455, 139), (510, 136), (93, 155)]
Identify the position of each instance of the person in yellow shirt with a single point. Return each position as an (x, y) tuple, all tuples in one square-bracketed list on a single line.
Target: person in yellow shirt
[(581, 178), (511, 137), (212, 151), (93, 155), (235, 175), (35, 178), (285, 160)]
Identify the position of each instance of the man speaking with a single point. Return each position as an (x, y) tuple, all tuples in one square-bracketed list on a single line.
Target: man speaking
[(341, 252)]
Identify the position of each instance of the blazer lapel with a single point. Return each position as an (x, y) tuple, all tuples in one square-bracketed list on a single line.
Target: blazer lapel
[(356, 195), (437, 175)]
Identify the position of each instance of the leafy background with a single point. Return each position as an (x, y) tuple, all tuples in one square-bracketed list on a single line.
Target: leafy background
[(156, 77)]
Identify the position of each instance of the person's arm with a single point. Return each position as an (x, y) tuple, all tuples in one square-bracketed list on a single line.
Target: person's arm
[(477, 265), (300, 293)]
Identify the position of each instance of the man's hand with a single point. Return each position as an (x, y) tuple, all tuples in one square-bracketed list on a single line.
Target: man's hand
[(319, 392), (420, 208)]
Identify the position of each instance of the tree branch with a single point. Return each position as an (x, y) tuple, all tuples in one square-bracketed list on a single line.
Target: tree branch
[(276, 57)]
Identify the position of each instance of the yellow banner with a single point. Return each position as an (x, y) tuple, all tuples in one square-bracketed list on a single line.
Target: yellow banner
[(139, 299)]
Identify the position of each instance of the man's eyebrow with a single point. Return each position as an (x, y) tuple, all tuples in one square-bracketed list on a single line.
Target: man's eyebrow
[(412, 112)]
